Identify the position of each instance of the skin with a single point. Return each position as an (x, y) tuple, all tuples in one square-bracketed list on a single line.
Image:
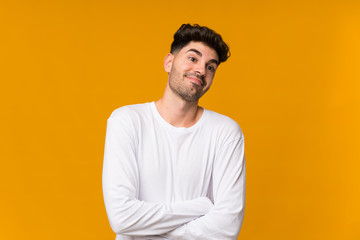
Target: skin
[(191, 71)]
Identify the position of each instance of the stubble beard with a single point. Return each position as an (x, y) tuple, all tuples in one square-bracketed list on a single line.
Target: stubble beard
[(178, 86)]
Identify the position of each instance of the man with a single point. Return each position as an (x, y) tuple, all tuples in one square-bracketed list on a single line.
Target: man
[(172, 169)]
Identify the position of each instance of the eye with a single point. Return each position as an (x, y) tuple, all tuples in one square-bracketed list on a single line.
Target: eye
[(211, 68), (192, 59)]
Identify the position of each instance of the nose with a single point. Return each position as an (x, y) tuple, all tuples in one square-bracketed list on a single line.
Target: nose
[(200, 69)]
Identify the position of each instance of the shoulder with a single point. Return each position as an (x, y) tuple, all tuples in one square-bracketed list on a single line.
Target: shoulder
[(223, 124), (125, 120)]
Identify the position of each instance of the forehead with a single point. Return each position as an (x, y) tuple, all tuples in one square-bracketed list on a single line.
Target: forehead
[(205, 50)]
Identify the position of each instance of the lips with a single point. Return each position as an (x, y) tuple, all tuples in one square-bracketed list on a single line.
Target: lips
[(195, 79)]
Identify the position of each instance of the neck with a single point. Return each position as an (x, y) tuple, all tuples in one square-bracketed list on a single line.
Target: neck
[(177, 111)]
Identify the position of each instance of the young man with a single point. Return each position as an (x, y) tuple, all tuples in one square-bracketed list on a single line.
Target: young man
[(172, 169)]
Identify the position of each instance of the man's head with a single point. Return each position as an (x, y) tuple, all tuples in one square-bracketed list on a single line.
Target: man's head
[(187, 33), (195, 55)]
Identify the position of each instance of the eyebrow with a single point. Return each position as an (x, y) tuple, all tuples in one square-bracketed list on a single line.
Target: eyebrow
[(200, 54)]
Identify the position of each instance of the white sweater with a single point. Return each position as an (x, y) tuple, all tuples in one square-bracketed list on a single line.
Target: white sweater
[(164, 182)]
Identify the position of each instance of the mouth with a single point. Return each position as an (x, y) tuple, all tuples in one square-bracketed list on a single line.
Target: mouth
[(195, 79)]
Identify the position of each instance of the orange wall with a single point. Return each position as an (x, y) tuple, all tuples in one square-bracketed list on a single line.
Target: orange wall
[(292, 83)]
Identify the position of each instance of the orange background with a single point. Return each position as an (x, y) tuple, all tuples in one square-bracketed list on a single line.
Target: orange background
[(292, 83)]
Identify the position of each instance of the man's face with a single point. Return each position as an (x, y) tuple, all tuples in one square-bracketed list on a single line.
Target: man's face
[(191, 70)]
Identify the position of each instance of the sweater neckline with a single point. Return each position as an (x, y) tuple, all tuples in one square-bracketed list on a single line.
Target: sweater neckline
[(173, 128)]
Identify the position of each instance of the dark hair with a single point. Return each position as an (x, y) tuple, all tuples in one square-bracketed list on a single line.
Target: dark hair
[(187, 33)]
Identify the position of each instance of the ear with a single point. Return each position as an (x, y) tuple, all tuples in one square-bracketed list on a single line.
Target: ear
[(168, 62)]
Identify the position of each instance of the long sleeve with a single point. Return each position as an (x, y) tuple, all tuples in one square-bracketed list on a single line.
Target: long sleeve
[(225, 219), (128, 215)]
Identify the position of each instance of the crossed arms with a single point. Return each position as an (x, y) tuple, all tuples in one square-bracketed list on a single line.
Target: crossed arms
[(199, 218)]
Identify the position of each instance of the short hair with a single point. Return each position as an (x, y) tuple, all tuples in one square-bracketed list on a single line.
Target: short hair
[(187, 33)]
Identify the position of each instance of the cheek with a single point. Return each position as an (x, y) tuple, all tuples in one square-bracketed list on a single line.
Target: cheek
[(187, 66), (210, 79)]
